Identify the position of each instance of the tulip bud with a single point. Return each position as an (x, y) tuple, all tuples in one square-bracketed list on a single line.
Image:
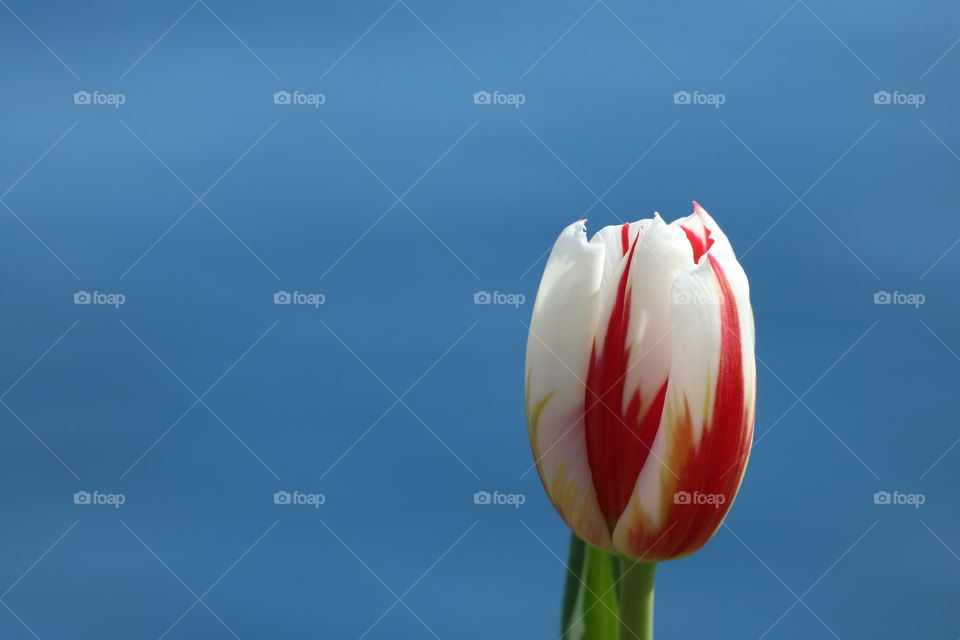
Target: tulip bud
[(640, 383)]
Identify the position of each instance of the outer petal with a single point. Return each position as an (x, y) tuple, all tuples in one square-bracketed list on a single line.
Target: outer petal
[(558, 347), (700, 451)]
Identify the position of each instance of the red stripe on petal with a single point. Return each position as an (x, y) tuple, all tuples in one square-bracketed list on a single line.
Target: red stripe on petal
[(714, 467), (698, 234), (618, 439)]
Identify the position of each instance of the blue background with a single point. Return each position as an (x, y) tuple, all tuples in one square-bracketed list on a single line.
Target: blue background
[(827, 196)]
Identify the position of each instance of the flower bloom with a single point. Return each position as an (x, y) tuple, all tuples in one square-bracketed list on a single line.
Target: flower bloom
[(641, 383)]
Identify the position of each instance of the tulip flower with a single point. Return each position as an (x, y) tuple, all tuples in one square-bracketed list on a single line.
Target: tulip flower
[(640, 384)]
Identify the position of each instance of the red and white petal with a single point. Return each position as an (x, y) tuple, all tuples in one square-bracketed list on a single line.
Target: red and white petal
[(558, 349), (703, 233), (627, 378), (700, 451)]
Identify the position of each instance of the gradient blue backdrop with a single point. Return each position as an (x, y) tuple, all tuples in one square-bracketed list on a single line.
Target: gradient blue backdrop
[(854, 397)]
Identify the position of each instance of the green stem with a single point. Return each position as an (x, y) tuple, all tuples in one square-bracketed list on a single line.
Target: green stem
[(636, 599)]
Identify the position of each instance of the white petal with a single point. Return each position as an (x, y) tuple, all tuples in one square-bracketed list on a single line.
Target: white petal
[(558, 348)]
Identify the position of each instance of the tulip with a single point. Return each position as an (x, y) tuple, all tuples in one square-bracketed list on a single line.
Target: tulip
[(641, 384)]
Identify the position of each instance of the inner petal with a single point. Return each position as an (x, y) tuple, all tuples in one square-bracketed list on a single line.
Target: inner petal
[(697, 233), (629, 364)]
